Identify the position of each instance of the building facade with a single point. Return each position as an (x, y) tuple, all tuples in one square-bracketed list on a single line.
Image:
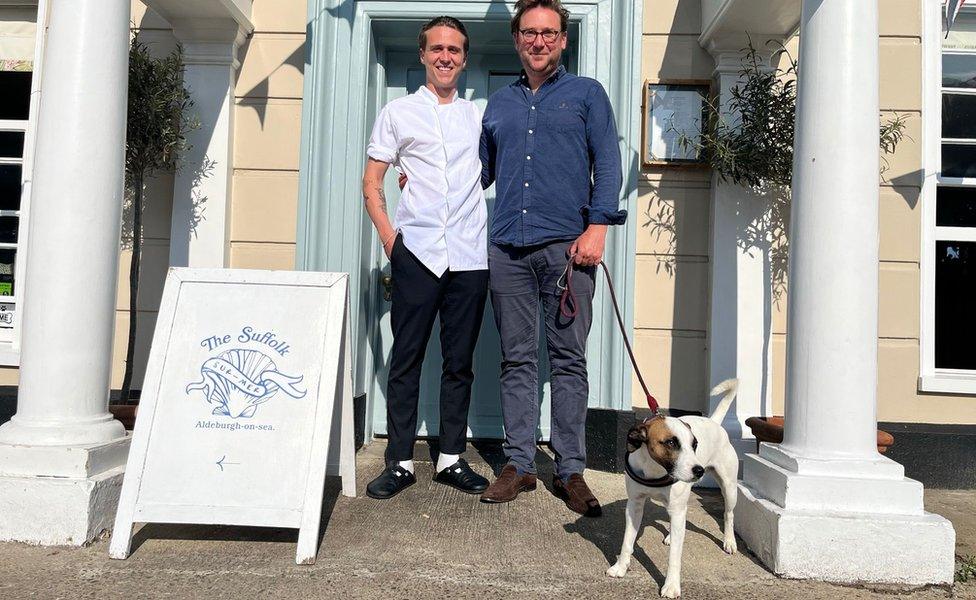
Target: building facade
[(286, 92), (679, 271)]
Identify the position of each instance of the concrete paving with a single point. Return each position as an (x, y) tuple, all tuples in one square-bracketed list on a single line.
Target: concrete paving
[(435, 542)]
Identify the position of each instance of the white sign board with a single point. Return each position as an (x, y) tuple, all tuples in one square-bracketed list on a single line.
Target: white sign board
[(247, 398)]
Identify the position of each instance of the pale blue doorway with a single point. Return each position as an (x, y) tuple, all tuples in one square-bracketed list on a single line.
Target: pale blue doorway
[(350, 47)]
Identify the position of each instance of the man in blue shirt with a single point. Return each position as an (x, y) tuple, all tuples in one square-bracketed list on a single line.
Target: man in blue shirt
[(549, 143)]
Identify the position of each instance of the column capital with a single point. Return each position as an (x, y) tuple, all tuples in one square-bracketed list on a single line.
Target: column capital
[(728, 49), (210, 41), (210, 52)]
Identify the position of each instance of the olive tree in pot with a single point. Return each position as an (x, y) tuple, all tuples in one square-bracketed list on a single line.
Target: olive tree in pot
[(157, 125)]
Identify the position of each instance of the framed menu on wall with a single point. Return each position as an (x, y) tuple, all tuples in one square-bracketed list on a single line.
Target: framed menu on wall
[(673, 110)]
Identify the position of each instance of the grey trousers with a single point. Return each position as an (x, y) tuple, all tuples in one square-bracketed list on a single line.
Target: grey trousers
[(520, 279)]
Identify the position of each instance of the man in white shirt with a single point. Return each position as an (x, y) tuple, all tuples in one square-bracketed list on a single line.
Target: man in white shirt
[(437, 250)]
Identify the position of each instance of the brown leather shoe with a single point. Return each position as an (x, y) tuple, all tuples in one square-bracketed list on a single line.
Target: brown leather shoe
[(508, 485), (577, 495)]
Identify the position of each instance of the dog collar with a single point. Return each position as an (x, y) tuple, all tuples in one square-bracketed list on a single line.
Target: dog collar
[(660, 482)]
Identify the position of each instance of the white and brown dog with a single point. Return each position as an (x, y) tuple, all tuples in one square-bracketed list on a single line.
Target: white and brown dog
[(665, 457)]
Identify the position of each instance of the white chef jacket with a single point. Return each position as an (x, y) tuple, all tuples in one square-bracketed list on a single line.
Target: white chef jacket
[(441, 214)]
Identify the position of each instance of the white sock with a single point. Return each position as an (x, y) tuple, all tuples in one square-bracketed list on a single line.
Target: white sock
[(446, 460), (406, 464)]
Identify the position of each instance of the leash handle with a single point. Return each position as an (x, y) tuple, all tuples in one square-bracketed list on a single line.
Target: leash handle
[(567, 301), (568, 307)]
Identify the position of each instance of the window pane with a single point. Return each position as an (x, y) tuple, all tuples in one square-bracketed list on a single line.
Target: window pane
[(14, 95), (7, 262), (958, 116), (10, 187), (959, 70), (8, 229), (963, 34), (955, 207), (958, 160), (955, 318), (11, 144)]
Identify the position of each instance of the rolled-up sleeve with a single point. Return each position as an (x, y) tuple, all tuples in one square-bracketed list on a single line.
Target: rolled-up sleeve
[(604, 148), (383, 144)]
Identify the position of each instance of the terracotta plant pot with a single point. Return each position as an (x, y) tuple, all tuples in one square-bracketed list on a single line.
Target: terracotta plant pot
[(770, 429), (126, 413)]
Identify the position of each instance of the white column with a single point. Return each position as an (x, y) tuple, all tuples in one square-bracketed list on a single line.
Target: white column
[(740, 311), (61, 455), (825, 504), (202, 190)]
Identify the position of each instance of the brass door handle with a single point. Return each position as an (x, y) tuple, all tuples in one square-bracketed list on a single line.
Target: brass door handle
[(387, 282)]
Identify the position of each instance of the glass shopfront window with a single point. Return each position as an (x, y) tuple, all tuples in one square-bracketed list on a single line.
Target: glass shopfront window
[(17, 37), (955, 211)]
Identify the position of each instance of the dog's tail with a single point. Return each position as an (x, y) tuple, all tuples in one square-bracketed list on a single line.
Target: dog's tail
[(728, 389)]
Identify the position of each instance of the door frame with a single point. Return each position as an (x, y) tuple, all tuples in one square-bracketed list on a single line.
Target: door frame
[(334, 233)]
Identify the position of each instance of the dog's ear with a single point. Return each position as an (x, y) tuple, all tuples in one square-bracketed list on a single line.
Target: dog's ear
[(636, 437)]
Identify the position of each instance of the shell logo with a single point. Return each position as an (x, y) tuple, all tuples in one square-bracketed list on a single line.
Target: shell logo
[(237, 381)]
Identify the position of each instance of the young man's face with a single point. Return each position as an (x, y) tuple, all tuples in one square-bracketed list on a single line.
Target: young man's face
[(444, 56), (538, 56)]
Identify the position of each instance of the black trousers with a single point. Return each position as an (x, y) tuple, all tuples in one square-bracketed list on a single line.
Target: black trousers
[(418, 297)]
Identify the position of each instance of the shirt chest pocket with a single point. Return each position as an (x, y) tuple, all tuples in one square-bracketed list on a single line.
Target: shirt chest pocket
[(565, 117)]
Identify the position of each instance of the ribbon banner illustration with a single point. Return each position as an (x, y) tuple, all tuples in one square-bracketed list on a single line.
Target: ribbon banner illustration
[(240, 380)]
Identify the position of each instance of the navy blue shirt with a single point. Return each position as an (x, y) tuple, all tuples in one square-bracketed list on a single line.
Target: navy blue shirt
[(554, 158)]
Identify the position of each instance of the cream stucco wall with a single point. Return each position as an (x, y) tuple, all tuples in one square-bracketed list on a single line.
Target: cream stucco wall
[(901, 210), (265, 187), (267, 138), (672, 225), (671, 307), (900, 221), (158, 205), (671, 220)]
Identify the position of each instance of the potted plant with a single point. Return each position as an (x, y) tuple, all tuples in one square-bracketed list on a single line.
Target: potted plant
[(770, 429), (157, 123)]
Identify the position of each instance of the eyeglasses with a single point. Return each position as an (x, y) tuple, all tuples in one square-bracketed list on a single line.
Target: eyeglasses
[(548, 36)]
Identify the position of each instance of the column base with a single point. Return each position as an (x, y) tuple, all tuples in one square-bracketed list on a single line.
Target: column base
[(856, 519), (98, 430), (846, 547), (844, 491), (60, 495), (58, 512)]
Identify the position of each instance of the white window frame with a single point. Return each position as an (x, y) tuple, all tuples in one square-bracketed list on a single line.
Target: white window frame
[(10, 348), (8, 336), (931, 379)]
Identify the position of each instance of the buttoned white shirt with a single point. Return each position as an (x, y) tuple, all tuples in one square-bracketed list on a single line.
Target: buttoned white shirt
[(441, 214)]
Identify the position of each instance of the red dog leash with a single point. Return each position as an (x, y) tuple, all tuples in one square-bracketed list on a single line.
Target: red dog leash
[(569, 308)]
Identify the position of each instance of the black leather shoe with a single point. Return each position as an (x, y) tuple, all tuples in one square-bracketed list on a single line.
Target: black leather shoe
[(460, 476), (393, 480)]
